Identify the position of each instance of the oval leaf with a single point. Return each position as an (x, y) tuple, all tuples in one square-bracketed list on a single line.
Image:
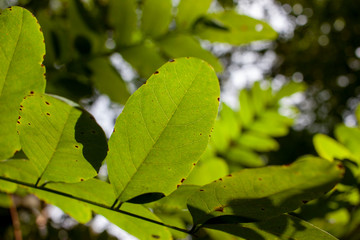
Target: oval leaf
[(22, 50), (262, 193), (230, 27), (163, 129), (63, 142)]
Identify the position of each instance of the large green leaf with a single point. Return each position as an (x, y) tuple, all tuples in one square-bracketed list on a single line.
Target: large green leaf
[(283, 227), (21, 54), (183, 45), (262, 193), (163, 129), (189, 11), (156, 17), (258, 142), (122, 16), (108, 81), (230, 27), (62, 141)]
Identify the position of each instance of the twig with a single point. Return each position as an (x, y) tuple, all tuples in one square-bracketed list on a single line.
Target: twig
[(15, 219)]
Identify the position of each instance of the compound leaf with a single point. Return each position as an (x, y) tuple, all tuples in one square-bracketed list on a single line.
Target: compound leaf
[(163, 129), (262, 193), (21, 54)]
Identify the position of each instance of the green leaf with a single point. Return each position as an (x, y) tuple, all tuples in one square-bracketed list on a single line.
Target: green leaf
[(156, 17), (145, 58), (189, 11), (230, 27), (19, 169), (350, 137), (262, 193), (246, 108), (330, 149), (183, 45), (93, 190), (21, 54), (107, 80), (62, 141), (207, 170), (245, 157), (136, 227), (270, 127), (163, 129), (357, 114), (76, 209), (289, 89), (122, 16), (258, 98), (258, 142), (283, 227)]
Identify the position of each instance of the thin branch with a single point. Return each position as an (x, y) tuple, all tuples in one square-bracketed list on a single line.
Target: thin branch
[(95, 204), (15, 219)]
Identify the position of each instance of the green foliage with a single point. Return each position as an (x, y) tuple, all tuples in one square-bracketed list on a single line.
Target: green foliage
[(162, 133), (18, 30)]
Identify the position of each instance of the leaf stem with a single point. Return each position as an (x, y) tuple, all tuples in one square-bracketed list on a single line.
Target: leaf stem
[(95, 204), (15, 219)]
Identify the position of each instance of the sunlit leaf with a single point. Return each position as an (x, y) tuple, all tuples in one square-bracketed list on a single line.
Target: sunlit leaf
[(245, 157), (230, 27), (283, 227), (189, 11), (330, 149), (258, 142), (289, 89), (207, 170), (62, 141), (21, 54), (136, 227), (350, 137), (163, 129), (156, 17), (262, 193), (108, 81), (183, 45)]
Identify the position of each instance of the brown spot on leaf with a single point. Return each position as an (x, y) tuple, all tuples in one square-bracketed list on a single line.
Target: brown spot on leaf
[(93, 131), (42, 65), (260, 179), (187, 57), (177, 186), (157, 72), (262, 209), (201, 190), (340, 166), (81, 179), (220, 179), (18, 122), (305, 201), (182, 180), (48, 114), (76, 146), (21, 106), (155, 236), (114, 130), (91, 117), (20, 109), (200, 134), (229, 175), (218, 99), (194, 164), (19, 117), (31, 92), (219, 209), (47, 103), (171, 60), (29, 123)]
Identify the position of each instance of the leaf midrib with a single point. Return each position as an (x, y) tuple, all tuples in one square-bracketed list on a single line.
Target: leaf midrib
[(162, 131)]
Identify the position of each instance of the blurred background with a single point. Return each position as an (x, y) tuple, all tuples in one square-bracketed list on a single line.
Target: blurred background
[(291, 85)]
